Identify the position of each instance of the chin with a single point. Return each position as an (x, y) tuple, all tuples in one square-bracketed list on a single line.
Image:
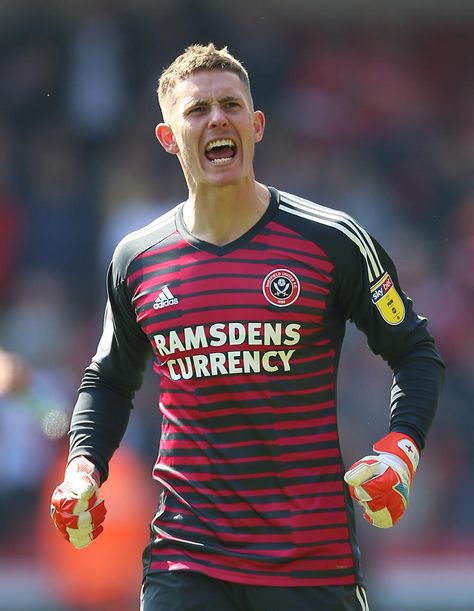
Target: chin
[(227, 179)]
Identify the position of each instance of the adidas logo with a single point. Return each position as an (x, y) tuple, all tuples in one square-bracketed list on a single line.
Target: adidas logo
[(165, 299)]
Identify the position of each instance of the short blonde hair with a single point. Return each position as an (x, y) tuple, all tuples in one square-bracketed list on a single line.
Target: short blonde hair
[(196, 58)]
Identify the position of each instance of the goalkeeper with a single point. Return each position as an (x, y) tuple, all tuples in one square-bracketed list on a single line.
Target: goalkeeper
[(240, 295)]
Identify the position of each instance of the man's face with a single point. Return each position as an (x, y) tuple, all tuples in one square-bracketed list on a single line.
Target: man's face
[(213, 127)]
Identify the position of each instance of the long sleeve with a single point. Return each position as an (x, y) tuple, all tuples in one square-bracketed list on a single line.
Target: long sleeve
[(102, 410), (417, 384), (386, 315)]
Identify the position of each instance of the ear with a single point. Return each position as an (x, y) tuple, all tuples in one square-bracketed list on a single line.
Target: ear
[(258, 125), (166, 138)]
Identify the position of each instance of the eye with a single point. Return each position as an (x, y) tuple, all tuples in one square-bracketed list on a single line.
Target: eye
[(198, 109), (231, 104)]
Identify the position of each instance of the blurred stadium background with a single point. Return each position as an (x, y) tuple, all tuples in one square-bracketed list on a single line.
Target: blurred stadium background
[(370, 108)]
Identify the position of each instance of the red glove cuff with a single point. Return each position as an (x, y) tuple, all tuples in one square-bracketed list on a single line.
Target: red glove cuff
[(402, 446), (81, 464)]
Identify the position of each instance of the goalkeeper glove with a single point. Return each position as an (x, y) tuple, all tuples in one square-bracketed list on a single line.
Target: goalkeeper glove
[(76, 508), (381, 483)]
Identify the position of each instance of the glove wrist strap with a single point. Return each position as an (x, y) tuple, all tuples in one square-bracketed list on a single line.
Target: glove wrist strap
[(402, 446)]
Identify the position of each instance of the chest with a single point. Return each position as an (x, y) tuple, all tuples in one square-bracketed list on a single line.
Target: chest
[(270, 291)]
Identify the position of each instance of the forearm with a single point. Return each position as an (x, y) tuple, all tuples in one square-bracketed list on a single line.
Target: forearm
[(417, 383), (98, 424)]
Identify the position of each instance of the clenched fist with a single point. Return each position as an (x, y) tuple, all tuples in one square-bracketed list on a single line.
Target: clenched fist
[(76, 508), (381, 483)]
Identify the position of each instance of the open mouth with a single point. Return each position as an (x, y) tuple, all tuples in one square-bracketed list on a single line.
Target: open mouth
[(220, 151)]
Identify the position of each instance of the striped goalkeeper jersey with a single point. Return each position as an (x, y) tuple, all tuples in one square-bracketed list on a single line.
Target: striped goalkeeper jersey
[(246, 340)]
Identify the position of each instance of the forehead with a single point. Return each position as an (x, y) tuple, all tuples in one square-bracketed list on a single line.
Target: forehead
[(208, 85)]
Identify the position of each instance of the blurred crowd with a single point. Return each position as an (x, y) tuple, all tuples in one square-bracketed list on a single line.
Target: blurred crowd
[(377, 122)]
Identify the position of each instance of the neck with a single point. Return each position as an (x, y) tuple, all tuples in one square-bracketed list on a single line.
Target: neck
[(221, 215)]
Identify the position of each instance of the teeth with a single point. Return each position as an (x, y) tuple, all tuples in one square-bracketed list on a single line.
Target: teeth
[(223, 142), (221, 160)]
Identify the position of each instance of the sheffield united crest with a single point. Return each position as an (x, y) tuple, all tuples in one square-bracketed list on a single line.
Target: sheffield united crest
[(281, 287)]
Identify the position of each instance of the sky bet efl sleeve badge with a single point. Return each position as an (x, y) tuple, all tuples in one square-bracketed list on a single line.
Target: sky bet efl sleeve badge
[(388, 301)]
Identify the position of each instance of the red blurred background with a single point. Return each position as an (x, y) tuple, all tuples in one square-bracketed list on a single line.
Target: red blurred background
[(370, 109)]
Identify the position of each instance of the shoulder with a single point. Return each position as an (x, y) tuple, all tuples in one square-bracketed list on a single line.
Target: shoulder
[(137, 242), (336, 231), (319, 215)]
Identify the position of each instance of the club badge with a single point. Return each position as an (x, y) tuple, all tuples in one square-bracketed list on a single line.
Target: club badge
[(388, 301), (281, 287)]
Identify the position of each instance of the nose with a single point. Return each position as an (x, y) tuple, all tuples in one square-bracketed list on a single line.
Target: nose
[(217, 117)]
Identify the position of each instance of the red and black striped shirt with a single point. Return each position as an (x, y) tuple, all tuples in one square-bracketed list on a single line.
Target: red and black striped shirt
[(246, 340)]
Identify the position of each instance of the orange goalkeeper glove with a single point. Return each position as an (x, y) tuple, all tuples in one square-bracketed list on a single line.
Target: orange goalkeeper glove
[(76, 508), (381, 483)]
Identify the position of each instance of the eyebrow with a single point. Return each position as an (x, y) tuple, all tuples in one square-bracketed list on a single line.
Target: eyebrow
[(205, 101), (230, 98)]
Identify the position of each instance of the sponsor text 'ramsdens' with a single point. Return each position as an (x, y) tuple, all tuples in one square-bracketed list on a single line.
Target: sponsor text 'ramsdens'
[(174, 346)]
